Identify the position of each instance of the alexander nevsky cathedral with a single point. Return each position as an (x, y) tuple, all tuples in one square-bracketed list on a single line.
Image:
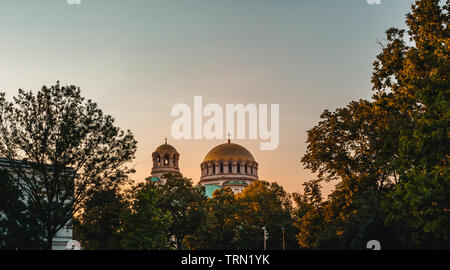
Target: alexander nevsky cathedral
[(226, 165)]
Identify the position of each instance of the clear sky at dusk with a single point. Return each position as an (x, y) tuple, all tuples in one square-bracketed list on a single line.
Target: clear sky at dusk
[(138, 58)]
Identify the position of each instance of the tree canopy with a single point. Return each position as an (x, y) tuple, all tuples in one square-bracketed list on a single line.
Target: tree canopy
[(61, 148), (389, 155)]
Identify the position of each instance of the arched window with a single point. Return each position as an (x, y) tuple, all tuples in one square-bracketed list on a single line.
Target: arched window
[(158, 161), (207, 169), (221, 167), (246, 168), (251, 170), (174, 161), (166, 160), (214, 168), (230, 167), (239, 168)]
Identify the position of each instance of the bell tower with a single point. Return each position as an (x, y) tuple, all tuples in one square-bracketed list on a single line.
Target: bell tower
[(165, 160)]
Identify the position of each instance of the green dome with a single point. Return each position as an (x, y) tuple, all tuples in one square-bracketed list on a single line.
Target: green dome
[(235, 183), (154, 179)]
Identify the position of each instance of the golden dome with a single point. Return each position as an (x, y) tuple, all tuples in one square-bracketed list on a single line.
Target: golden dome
[(166, 148), (229, 151)]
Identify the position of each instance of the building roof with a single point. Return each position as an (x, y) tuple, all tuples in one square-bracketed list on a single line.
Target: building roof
[(229, 151), (166, 148), (6, 162), (234, 183), (152, 179)]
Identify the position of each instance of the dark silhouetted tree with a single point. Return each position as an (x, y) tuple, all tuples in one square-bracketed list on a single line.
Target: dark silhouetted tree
[(99, 224), (389, 155), (185, 204), (70, 147), (144, 224), (19, 227)]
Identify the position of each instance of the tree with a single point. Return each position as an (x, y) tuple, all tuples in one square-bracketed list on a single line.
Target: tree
[(235, 221), (98, 227), (264, 204), (185, 204), (145, 226), (219, 229), (70, 149), (309, 216), (355, 145), (389, 155), (416, 78), (353, 142)]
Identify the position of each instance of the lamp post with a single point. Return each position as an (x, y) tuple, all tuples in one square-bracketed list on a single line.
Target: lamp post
[(266, 236), (284, 246)]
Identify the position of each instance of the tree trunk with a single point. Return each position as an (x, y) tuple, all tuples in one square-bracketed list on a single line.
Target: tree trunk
[(49, 240), (179, 242)]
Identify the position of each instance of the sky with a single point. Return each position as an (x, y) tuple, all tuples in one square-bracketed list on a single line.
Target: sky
[(139, 58)]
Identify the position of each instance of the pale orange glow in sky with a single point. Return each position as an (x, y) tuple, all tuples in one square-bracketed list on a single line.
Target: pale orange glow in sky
[(139, 58)]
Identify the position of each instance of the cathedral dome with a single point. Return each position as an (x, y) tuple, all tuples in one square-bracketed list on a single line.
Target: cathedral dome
[(166, 148), (228, 165), (229, 151)]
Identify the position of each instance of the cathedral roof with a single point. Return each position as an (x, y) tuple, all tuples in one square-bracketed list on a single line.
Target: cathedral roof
[(234, 183), (229, 151), (166, 148)]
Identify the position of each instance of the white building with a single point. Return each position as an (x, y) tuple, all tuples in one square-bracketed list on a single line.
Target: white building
[(13, 167)]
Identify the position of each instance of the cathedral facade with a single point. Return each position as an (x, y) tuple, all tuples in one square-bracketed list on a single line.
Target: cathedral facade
[(226, 165)]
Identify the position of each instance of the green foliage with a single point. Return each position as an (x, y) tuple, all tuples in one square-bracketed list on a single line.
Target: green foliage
[(419, 203), (389, 155), (98, 227), (185, 203), (352, 142), (264, 204), (70, 148), (218, 231), (129, 219), (145, 226), (309, 214), (235, 221)]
